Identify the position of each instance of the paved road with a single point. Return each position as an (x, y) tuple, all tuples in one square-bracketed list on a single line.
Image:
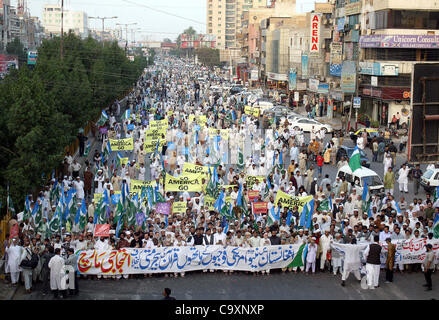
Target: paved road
[(240, 286)]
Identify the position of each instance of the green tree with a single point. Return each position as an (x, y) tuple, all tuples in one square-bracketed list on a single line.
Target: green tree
[(15, 47), (209, 57)]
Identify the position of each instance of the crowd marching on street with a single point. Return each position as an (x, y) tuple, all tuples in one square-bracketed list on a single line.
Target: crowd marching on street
[(179, 124)]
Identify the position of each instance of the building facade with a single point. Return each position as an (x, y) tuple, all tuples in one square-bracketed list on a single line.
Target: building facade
[(75, 21)]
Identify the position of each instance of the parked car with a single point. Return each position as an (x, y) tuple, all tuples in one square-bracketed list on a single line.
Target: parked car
[(373, 180), (307, 124), (430, 180), (346, 152)]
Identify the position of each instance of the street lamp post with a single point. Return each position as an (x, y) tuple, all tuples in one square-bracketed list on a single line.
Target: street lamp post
[(126, 30), (103, 24)]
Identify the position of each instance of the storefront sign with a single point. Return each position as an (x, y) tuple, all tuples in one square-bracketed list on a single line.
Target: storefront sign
[(323, 88), (314, 45), (374, 81), (301, 85), (337, 95), (314, 85), (352, 8), (400, 41), (378, 69), (277, 76)]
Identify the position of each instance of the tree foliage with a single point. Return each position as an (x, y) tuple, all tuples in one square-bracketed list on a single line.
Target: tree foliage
[(209, 57), (42, 109)]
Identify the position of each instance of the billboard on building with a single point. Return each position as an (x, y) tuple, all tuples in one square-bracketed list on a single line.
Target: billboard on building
[(348, 76), (314, 43), (400, 41), (32, 56), (304, 66), (198, 41), (292, 79)]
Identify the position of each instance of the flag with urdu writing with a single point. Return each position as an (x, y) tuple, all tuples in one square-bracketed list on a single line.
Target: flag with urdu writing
[(354, 160)]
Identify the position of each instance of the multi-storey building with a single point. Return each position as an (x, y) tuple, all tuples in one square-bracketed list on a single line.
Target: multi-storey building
[(394, 35), (75, 21)]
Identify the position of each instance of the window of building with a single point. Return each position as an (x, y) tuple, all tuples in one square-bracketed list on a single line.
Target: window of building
[(406, 19), (210, 30), (353, 20)]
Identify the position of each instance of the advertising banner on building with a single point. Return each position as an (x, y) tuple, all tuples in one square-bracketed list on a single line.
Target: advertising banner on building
[(400, 41), (348, 77), (313, 85), (292, 79), (304, 66), (314, 44)]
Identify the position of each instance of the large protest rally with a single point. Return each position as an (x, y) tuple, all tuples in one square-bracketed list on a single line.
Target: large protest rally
[(184, 175)]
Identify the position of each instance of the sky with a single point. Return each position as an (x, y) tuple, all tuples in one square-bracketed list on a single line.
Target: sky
[(169, 18)]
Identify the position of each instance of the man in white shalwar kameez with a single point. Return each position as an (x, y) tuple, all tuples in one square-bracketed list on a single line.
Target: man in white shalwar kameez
[(55, 265), (14, 252), (352, 260)]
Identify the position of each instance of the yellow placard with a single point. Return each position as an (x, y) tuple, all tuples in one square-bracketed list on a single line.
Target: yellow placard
[(151, 145), (224, 133), (97, 197), (253, 111), (122, 144), (201, 119), (154, 134), (189, 182), (251, 180), (136, 185), (158, 124), (288, 201), (209, 202), (190, 168), (179, 207)]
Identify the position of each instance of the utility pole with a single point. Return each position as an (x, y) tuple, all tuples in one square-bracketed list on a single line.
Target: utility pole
[(62, 31), (126, 30), (103, 25)]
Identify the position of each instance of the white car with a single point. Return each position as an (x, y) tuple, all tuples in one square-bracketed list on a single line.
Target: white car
[(307, 124), (263, 105)]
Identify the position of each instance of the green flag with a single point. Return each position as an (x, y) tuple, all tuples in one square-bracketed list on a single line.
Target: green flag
[(54, 224), (240, 164), (354, 160)]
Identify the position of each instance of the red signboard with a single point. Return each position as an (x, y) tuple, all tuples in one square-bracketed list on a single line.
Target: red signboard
[(102, 230), (260, 207)]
